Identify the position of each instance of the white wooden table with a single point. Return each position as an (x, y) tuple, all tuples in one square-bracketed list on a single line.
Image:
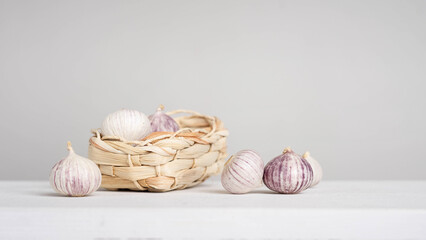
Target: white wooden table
[(332, 210)]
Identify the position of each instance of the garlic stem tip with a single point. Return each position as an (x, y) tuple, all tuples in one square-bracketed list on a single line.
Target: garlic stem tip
[(287, 149), (161, 107), (69, 147), (306, 154), (229, 160)]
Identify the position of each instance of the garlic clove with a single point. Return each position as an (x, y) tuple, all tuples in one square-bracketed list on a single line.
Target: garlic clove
[(75, 175), (316, 168), (242, 172), (128, 124), (161, 122), (288, 173)]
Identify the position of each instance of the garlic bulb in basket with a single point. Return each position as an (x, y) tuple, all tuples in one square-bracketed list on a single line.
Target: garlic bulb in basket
[(243, 172), (75, 175), (130, 125), (288, 173), (316, 168), (161, 122)]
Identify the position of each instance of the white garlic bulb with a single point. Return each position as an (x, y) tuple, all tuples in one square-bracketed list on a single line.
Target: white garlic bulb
[(316, 168), (130, 125), (75, 175), (243, 172)]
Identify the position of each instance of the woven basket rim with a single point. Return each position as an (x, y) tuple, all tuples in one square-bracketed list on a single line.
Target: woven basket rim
[(197, 132), (150, 164)]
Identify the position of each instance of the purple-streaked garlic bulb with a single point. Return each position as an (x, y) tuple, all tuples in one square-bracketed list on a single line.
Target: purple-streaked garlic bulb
[(316, 168), (161, 122), (243, 172), (130, 125), (288, 173), (75, 175)]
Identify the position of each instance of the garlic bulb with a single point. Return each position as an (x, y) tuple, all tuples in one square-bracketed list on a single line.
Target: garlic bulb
[(288, 173), (130, 125), (316, 168), (75, 175), (161, 122), (243, 172)]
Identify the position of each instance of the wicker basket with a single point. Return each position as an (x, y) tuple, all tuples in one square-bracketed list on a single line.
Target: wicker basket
[(162, 161)]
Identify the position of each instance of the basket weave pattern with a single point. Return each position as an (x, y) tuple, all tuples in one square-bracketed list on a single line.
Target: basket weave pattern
[(162, 161)]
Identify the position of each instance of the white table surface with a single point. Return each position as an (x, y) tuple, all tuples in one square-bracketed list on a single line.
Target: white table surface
[(331, 210)]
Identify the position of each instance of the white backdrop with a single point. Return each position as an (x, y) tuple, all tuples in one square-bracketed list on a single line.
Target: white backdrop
[(342, 79)]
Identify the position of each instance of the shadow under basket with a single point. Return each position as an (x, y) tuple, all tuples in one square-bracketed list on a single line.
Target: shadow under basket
[(162, 161)]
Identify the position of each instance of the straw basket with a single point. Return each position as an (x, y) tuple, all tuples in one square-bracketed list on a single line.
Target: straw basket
[(162, 161)]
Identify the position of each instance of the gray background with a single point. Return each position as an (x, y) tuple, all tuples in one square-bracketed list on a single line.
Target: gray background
[(343, 79)]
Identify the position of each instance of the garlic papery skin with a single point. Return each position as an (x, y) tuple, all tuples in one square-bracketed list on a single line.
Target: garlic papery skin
[(243, 172), (75, 175), (316, 168), (127, 124), (288, 173), (161, 122)]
